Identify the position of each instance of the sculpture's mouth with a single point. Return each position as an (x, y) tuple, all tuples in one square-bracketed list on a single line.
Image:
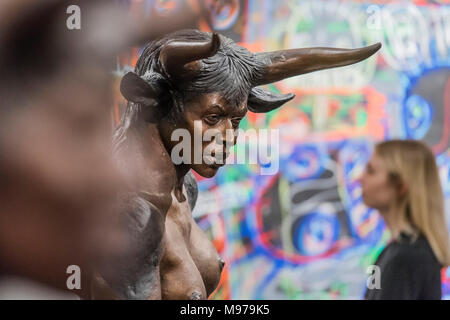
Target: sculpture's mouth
[(216, 166), (216, 160)]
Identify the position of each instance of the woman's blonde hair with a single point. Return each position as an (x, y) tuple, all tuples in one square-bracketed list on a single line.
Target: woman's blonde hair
[(420, 208)]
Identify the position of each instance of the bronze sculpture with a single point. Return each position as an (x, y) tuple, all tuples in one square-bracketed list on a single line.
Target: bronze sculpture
[(184, 77)]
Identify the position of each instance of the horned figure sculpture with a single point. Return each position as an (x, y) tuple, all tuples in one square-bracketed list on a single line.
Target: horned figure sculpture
[(182, 78)]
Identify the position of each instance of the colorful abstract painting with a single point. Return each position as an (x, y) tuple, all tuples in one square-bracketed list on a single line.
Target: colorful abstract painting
[(304, 232)]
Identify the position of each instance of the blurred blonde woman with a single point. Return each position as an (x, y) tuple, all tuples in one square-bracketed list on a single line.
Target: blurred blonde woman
[(401, 181)]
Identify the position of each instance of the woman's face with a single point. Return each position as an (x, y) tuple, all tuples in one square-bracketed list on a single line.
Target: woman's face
[(377, 190)]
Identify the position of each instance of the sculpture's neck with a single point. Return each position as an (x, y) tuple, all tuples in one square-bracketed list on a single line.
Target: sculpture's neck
[(165, 133)]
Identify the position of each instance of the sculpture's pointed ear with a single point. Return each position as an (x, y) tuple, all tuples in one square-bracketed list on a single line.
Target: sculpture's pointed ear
[(262, 101), (137, 90)]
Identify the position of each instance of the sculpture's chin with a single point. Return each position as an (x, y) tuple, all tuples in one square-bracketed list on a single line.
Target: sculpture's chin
[(205, 170)]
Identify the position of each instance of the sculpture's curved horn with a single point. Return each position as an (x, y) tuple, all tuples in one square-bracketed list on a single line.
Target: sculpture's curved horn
[(288, 63), (261, 101), (179, 58)]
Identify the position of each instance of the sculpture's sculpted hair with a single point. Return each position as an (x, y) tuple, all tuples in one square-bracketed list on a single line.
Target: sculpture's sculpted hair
[(231, 72)]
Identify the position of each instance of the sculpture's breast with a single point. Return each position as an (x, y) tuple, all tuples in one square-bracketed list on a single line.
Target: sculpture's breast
[(206, 258), (190, 267)]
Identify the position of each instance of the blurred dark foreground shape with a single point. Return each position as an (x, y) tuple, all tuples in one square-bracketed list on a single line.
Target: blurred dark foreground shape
[(57, 178)]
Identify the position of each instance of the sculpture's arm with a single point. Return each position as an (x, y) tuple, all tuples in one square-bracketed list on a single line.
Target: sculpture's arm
[(135, 274)]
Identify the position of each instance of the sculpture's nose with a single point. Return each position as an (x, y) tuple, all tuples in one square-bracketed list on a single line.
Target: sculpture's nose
[(224, 141), (221, 263)]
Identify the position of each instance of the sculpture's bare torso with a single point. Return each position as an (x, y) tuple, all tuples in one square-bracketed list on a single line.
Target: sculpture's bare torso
[(190, 266)]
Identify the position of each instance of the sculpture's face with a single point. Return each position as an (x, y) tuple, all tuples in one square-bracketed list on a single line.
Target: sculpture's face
[(210, 115)]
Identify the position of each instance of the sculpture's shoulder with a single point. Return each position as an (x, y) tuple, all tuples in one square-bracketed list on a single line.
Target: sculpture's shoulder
[(141, 155), (136, 210), (190, 183)]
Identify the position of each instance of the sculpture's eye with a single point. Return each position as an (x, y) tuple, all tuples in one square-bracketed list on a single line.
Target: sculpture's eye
[(212, 119)]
